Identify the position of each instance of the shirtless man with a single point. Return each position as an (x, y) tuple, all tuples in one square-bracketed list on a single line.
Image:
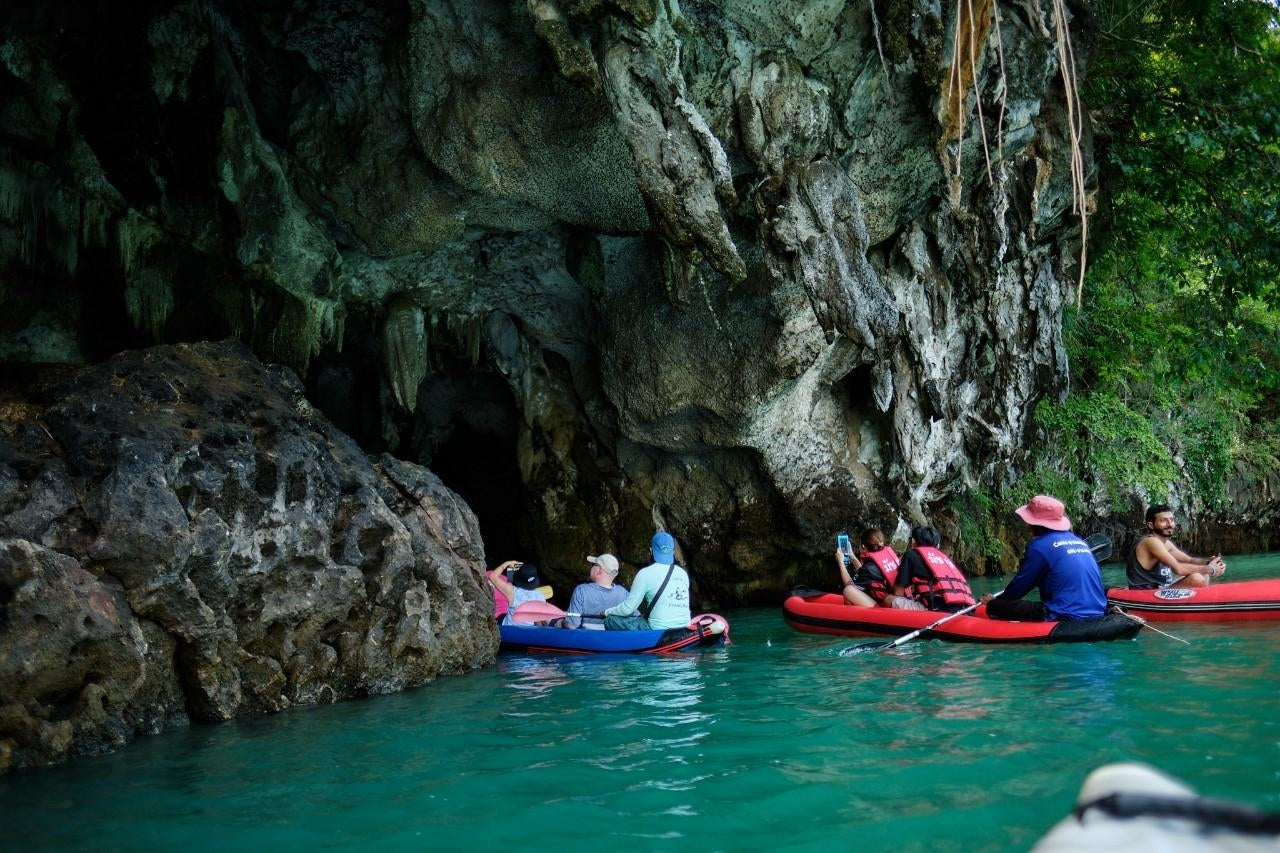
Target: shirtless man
[(1156, 563)]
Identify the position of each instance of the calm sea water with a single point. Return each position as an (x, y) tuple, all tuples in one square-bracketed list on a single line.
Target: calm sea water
[(777, 741)]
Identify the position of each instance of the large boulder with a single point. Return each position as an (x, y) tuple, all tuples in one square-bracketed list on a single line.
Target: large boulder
[(183, 536)]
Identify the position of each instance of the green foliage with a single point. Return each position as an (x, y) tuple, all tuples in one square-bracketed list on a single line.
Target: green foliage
[(1186, 100), (1176, 353), (976, 513), (1100, 434)]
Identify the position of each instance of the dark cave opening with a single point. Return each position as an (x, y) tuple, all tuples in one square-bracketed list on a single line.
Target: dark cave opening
[(481, 468), (465, 427), (465, 430)]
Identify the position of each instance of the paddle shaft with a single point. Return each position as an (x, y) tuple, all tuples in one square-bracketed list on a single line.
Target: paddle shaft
[(542, 611), (1145, 624), (917, 632)]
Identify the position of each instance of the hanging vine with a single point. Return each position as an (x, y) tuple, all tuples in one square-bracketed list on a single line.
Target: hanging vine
[(974, 20), (1075, 129)]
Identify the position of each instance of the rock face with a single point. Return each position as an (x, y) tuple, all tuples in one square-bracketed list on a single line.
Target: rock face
[(182, 536), (740, 269)]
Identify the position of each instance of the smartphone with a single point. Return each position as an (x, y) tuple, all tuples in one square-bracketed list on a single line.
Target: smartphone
[(845, 546)]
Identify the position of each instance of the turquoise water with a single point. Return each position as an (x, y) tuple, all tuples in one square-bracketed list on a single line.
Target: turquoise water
[(777, 741)]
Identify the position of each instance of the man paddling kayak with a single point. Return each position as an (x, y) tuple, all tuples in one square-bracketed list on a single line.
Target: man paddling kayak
[(1059, 563), (1156, 563)]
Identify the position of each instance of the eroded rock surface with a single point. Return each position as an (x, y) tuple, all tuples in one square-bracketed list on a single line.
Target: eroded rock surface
[(754, 271), (183, 536)]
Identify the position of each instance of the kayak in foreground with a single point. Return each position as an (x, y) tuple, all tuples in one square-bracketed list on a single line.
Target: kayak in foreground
[(1219, 602), (706, 629), (828, 614), (1131, 807)]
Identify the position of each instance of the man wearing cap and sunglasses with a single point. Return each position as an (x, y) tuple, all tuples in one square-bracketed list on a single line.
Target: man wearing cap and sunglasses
[(595, 597), (1059, 563)]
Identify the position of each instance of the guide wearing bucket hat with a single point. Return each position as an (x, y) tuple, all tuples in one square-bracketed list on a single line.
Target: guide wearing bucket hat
[(663, 584), (597, 595), (1058, 563)]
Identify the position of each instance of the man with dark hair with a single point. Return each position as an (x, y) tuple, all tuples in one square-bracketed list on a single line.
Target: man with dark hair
[(1056, 561), (929, 576), (1155, 562)]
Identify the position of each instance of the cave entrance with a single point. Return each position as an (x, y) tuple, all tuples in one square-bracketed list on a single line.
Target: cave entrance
[(466, 432)]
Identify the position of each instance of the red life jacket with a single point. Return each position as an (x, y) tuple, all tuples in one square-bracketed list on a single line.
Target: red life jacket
[(886, 560), (949, 586)]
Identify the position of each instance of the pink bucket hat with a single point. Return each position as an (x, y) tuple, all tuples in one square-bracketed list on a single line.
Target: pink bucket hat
[(1044, 511)]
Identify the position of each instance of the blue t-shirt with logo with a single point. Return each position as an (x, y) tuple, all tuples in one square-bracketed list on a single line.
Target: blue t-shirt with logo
[(1062, 566)]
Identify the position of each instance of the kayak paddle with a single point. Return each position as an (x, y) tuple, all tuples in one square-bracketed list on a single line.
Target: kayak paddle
[(542, 611), (1099, 545), (885, 646)]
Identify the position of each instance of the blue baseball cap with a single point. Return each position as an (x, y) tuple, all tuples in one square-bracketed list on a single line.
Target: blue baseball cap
[(663, 547)]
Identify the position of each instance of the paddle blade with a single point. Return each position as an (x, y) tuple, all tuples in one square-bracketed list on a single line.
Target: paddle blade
[(536, 611), (1100, 546), (863, 648)]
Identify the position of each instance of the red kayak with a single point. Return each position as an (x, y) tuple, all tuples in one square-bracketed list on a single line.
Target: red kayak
[(828, 614), (1219, 602)]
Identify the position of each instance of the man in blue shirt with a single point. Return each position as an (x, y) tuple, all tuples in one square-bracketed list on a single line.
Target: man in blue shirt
[(589, 600), (1059, 563)]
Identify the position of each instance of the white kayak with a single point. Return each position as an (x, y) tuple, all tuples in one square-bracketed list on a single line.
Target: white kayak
[(1133, 807)]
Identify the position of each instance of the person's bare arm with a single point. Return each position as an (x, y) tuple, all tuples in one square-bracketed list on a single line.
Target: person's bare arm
[(1182, 563), (498, 577), (852, 595)]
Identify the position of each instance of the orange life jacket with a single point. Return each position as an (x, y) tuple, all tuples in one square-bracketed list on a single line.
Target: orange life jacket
[(948, 587), (886, 560)]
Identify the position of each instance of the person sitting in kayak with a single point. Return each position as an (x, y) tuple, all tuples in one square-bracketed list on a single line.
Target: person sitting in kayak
[(929, 576), (663, 584), (593, 597), (874, 571), (1155, 562), (519, 582), (1056, 561)]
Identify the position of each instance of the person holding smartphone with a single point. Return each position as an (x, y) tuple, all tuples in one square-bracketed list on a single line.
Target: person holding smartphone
[(874, 571)]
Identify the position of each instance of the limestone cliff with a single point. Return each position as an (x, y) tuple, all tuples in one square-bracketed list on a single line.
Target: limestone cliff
[(750, 270)]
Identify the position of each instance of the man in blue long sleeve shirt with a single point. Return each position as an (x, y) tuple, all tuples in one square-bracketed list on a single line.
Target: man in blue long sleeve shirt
[(1059, 563)]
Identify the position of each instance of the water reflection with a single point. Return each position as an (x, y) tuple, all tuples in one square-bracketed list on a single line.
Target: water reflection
[(662, 753)]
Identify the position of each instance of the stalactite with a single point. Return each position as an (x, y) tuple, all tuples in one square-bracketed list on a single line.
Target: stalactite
[(148, 289), (46, 217), (404, 349)]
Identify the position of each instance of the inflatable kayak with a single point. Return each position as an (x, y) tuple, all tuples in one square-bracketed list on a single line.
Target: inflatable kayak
[(1219, 602), (1129, 806), (828, 614), (706, 629)]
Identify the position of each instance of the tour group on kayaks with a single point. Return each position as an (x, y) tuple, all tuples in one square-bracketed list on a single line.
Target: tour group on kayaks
[(605, 617), (921, 593)]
